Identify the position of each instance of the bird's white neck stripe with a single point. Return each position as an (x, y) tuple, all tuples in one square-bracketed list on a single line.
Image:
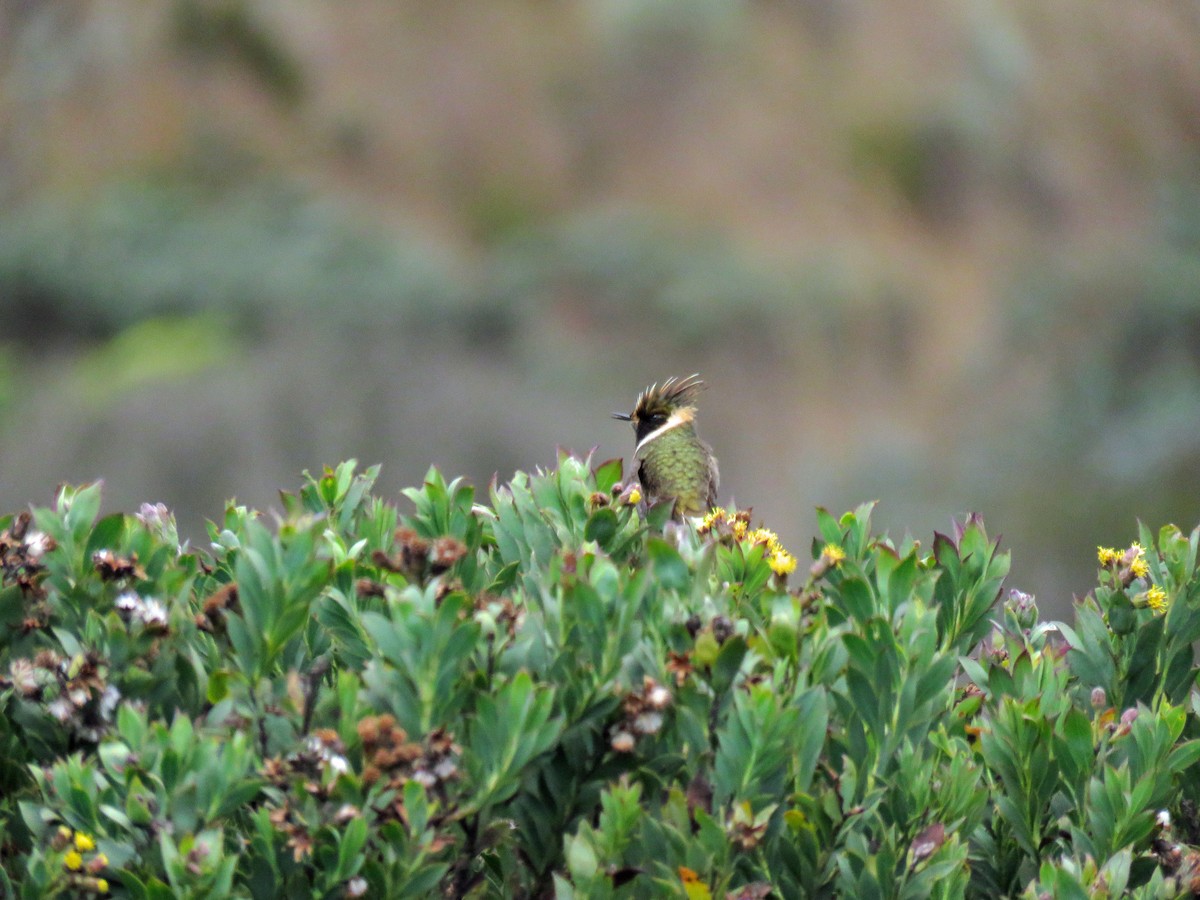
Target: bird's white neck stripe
[(677, 418)]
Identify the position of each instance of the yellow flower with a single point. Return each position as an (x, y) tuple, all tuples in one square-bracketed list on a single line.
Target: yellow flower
[(102, 885), (1139, 568), (766, 537), (73, 861), (84, 842), (693, 887), (1156, 599), (1107, 555), (713, 517), (635, 497), (740, 528), (833, 554), (781, 562)]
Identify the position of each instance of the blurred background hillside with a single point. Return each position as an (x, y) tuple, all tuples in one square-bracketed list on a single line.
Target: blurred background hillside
[(941, 254)]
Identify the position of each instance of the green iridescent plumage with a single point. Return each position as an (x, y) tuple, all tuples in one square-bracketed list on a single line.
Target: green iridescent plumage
[(673, 461)]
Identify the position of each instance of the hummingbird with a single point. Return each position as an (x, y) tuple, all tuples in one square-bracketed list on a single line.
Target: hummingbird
[(673, 462)]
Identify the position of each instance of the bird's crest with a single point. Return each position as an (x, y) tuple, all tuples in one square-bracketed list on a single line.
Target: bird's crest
[(660, 401)]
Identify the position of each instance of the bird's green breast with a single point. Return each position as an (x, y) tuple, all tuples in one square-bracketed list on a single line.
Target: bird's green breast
[(676, 464)]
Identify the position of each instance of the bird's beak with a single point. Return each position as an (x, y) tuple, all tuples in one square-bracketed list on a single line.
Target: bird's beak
[(624, 417)]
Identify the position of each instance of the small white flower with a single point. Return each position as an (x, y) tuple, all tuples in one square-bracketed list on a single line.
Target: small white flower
[(153, 514), (108, 701), (338, 764), (36, 545), (623, 742), (648, 723), (24, 677), (356, 886), (61, 709), (1163, 818), (153, 614), (128, 602), (658, 697)]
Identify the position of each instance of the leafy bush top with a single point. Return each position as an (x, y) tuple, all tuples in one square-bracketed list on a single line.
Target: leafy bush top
[(557, 693)]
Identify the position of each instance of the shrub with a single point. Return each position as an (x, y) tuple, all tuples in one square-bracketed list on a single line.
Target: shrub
[(558, 693)]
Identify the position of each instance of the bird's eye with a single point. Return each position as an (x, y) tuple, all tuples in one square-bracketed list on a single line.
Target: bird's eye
[(656, 420)]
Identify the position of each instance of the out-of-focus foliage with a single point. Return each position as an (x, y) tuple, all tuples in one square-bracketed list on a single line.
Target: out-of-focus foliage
[(944, 260), (257, 255), (265, 254), (546, 692)]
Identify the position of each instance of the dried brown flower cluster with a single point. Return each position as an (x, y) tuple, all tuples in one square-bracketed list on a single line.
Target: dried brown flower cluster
[(745, 830), (1180, 861), (319, 763), (224, 599), (368, 587), (22, 550), (389, 755), (503, 611), (418, 558), (75, 691), (642, 715), (116, 568), (288, 822), (680, 665)]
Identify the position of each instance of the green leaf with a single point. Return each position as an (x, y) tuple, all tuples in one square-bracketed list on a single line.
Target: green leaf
[(753, 748), (350, 845), (856, 597), (109, 533), (504, 579), (601, 527), (831, 530), (562, 888), (670, 570), (1122, 618), (218, 686), (81, 507), (658, 515), (812, 710), (581, 858), (897, 577), (507, 732), (728, 663), (1184, 756), (113, 756), (608, 473)]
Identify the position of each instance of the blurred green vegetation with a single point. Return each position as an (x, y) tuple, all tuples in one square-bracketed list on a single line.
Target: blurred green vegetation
[(945, 261), (155, 284), (229, 29), (151, 351), (256, 254)]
